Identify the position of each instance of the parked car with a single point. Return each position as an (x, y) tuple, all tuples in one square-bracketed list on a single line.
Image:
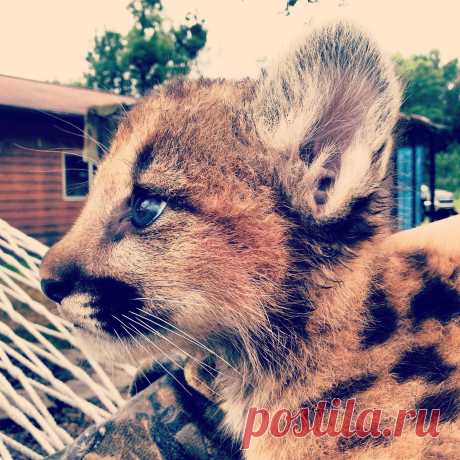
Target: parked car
[(444, 202)]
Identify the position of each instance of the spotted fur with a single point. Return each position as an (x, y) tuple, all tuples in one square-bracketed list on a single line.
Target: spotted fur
[(273, 257)]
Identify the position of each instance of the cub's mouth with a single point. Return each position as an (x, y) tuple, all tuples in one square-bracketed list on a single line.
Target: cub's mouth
[(106, 305)]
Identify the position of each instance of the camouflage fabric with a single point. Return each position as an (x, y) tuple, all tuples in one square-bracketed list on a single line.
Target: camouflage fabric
[(168, 420)]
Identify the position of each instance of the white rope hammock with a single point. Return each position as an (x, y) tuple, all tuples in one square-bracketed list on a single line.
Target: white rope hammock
[(40, 363)]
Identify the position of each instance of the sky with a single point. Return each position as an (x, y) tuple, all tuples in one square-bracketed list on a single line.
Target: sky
[(49, 39)]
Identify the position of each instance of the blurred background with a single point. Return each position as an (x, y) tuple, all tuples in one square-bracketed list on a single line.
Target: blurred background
[(68, 70)]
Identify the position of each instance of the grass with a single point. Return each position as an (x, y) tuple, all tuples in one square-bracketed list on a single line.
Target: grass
[(457, 203)]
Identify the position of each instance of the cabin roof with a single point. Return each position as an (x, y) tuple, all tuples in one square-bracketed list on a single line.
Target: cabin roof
[(422, 122), (51, 97)]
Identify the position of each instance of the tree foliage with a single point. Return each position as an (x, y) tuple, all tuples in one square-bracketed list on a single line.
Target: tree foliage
[(290, 3), (448, 169), (433, 89), (150, 53)]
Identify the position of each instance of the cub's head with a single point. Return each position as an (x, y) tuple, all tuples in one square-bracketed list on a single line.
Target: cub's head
[(219, 201)]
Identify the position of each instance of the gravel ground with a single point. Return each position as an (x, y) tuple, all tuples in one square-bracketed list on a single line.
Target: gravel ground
[(69, 418)]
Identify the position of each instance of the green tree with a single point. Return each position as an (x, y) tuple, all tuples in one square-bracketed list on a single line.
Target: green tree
[(290, 3), (433, 89), (106, 70), (150, 53), (448, 169)]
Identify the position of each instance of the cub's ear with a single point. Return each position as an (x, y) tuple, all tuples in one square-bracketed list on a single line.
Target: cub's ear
[(328, 109)]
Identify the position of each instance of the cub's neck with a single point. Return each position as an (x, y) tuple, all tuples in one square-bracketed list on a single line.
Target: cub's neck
[(319, 342)]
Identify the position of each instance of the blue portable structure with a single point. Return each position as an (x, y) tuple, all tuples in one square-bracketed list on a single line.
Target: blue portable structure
[(418, 142)]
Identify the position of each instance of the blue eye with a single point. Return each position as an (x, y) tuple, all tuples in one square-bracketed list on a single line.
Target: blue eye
[(145, 210)]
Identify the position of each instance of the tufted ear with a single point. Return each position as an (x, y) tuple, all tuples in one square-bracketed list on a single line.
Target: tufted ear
[(328, 108)]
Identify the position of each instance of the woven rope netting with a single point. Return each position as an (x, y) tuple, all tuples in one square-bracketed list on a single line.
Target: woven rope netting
[(50, 390)]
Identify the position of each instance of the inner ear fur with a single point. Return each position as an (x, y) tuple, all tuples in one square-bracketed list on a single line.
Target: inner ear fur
[(327, 109)]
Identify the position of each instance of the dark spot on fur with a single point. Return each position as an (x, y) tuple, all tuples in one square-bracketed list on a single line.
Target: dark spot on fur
[(325, 182), (424, 362), (436, 300), (239, 131), (455, 275), (288, 322), (349, 230), (417, 260), (287, 333), (307, 152), (349, 388), (447, 401), (377, 154), (112, 299), (332, 242), (320, 197), (342, 390), (143, 161), (382, 319), (355, 442), (356, 226)]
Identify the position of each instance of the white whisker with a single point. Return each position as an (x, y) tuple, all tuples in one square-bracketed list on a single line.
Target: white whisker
[(156, 347), (210, 370), (186, 336)]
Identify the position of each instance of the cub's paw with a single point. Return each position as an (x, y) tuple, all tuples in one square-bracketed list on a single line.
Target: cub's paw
[(148, 374)]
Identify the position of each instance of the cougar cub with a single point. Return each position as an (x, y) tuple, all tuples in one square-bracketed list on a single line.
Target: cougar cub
[(245, 220)]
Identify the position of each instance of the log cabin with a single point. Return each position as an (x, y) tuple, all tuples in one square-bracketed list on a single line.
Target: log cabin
[(44, 176), (51, 137)]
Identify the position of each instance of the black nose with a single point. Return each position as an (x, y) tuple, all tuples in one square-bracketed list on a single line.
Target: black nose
[(56, 290)]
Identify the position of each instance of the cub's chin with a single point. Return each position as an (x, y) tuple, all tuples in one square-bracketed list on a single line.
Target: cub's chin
[(108, 350), (103, 345), (130, 337)]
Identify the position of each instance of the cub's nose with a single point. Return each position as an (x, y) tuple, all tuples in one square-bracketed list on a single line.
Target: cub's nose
[(59, 273), (56, 290)]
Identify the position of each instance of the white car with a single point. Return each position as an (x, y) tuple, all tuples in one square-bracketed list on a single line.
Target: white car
[(443, 201)]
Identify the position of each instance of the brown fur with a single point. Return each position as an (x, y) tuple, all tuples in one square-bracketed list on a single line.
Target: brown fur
[(269, 256)]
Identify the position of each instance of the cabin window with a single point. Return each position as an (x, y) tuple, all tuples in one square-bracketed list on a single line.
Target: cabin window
[(78, 175)]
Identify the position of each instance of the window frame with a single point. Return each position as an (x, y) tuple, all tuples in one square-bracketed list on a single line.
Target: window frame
[(91, 169)]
